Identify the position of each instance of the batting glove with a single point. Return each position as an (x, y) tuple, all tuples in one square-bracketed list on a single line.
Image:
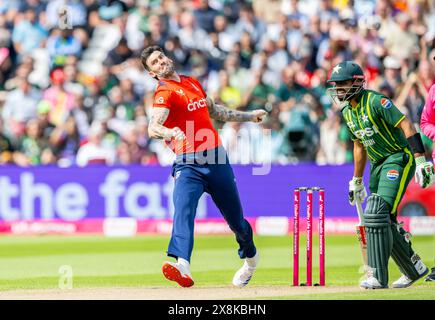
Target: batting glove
[(424, 174), (357, 190)]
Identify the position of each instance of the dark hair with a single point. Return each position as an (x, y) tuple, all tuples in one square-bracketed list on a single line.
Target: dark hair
[(146, 53)]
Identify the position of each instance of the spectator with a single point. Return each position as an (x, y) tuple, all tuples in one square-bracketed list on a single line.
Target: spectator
[(191, 36), (93, 151), (260, 95), (61, 101), (20, 106), (117, 56), (44, 119), (28, 34), (33, 148), (6, 147), (61, 44), (137, 24), (402, 43), (204, 16), (226, 34), (228, 95), (392, 73), (412, 97), (250, 23), (289, 91)]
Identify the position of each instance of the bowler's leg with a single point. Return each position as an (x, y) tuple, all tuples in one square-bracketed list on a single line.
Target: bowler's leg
[(223, 190), (188, 188)]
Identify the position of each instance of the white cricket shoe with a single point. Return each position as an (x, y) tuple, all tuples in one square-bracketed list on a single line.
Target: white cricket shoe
[(245, 273), (371, 283), (405, 282), (178, 273)]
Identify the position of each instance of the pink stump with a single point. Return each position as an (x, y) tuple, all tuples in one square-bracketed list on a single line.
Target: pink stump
[(309, 236), (322, 237), (296, 238)]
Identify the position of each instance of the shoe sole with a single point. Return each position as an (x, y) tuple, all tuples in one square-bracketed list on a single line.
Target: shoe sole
[(409, 284), (173, 274)]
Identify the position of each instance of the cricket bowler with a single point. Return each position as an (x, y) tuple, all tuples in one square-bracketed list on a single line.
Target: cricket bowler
[(396, 152), (181, 116)]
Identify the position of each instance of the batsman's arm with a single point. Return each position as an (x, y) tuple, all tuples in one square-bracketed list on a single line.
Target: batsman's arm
[(360, 158), (156, 129), (222, 113), (412, 136)]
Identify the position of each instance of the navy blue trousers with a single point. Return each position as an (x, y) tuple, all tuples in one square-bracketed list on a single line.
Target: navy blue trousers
[(193, 177)]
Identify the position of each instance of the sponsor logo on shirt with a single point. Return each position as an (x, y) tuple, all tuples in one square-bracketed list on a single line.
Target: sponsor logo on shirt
[(392, 174), (366, 132), (194, 105), (386, 103), (160, 100)]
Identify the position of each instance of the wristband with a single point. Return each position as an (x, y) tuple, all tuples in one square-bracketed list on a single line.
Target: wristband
[(416, 144)]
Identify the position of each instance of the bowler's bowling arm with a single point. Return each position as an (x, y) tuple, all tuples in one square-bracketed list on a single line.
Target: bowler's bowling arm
[(222, 113)]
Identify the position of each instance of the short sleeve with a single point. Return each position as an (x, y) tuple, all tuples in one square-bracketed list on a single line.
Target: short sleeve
[(162, 99), (387, 110)]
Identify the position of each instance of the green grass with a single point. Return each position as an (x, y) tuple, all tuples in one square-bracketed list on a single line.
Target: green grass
[(34, 262)]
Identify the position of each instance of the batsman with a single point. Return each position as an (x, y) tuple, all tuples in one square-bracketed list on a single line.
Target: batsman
[(396, 152)]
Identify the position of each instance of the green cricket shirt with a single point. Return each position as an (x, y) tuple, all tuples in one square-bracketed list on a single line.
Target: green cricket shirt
[(374, 123)]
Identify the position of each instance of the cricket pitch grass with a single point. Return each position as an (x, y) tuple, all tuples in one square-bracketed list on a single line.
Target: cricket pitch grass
[(97, 267)]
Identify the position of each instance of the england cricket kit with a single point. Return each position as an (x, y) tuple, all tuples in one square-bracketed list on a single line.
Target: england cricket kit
[(374, 122), (201, 165)]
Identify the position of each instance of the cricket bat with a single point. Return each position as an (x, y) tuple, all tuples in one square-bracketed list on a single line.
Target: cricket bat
[(361, 233)]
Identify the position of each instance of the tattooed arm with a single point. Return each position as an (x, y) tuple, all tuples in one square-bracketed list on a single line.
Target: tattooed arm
[(221, 113), (156, 129)]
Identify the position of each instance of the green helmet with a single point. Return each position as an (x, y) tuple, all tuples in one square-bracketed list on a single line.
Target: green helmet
[(345, 71)]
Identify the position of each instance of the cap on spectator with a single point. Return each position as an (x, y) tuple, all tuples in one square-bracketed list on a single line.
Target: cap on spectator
[(57, 76), (43, 107), (391, 63)]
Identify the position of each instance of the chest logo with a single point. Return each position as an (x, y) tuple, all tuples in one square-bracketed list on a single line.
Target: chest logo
[(364, 118), (180, 92)]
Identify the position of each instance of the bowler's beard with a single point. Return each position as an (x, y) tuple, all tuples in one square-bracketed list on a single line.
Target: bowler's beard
[(168, 71)]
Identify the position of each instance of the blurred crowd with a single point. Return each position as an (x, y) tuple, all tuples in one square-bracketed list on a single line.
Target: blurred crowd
[(73, 91)]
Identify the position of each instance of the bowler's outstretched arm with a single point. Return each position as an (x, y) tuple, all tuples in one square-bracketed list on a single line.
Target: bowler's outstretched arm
[(222, 113)]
